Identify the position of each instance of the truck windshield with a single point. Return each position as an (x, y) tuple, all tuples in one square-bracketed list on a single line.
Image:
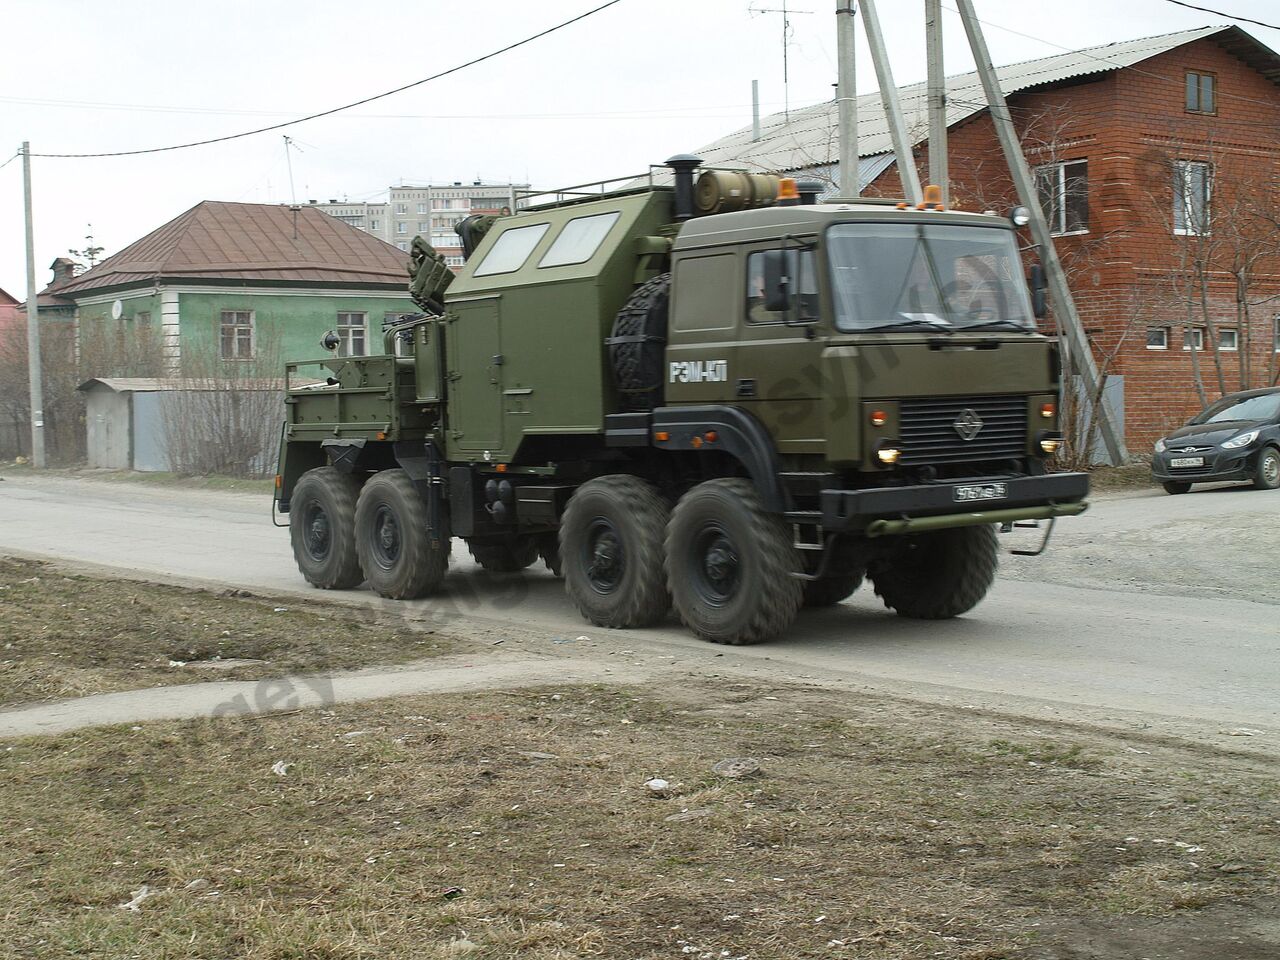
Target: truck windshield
[(892, 276)]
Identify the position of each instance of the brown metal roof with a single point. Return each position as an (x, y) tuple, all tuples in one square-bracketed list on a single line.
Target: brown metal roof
[(218, 241)]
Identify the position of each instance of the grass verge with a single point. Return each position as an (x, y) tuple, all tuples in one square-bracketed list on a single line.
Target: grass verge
[(520, 825), (70, 636)]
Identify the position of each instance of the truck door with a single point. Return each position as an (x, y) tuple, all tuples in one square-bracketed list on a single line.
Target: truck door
[(475, 376), (779, 375)]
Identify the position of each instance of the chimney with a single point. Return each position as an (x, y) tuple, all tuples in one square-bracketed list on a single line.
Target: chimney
[(63, 269)]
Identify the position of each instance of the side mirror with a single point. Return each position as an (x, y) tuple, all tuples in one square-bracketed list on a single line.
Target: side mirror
[(1038, 305), (777, 281)]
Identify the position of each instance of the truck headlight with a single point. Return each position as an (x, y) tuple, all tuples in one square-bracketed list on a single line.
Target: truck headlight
[(1235, 443), (888, 454), (1049, 442), (1160, 445)]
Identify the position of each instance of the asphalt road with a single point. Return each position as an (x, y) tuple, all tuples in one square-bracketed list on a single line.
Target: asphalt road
[(1148, 611)]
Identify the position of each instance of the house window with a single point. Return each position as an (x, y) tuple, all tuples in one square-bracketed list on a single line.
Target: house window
[(1192, 190), (351, 334), (236, 335), (423, 226), (402, 245), (402, 208), (402, 228), (373, 224), (1193, 339), (1200, 92), (143, 317), (1157, 338), (422, 208), (1064, 196), (1275, 323), (1228, 338)]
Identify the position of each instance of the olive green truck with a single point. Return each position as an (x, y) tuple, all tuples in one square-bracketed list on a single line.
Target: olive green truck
[(698, 390)]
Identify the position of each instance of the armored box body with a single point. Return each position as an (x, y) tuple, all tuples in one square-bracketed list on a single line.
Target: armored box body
[(527, 320)]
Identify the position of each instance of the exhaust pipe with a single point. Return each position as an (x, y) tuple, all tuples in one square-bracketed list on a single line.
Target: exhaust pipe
[(683, 165)]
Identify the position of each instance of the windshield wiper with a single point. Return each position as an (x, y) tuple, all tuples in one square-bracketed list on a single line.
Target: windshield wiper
[(997, 325), (912, 322)]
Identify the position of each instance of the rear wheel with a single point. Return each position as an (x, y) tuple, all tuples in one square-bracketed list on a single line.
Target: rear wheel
[(730, 564), (549, 551), (506, 555), (611, 552), (936, 576), (1267, 476), (322, 528), (396, 550)]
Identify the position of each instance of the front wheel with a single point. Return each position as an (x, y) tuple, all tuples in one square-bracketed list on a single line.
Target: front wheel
[(322, 528), (730, 564), (1176, 487), (939, 575), (1267, 476), (611, 551), (400, 559)]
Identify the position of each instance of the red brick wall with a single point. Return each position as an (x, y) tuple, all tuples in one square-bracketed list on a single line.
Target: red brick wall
[(1130, 271)]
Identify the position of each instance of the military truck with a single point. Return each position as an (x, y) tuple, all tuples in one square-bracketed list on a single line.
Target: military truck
[(716, 394)]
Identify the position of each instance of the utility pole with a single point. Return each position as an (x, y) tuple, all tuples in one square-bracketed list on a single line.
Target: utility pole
[(1064, 307), (33, 321), (755, 110), (892, 108), (847, 99), (937, 84)]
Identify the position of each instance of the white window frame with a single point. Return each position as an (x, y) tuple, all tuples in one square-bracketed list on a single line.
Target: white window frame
[(1057, 172), (1222, 333), (402, 208), (237, 326), (1162, 346), (1182, 182), (347, 331), (1275, 334), (402, 228), (1196, 335)]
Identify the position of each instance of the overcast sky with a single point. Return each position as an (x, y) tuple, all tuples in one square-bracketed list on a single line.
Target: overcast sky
[(605, 97)]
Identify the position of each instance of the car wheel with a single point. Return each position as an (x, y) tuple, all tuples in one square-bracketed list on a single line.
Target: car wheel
[(1267, 476), (1175, 487)]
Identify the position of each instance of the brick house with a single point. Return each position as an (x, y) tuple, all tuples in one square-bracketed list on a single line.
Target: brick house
[(1158, 165)]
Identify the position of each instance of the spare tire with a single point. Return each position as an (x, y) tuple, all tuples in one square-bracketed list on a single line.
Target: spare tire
[(637, 347)]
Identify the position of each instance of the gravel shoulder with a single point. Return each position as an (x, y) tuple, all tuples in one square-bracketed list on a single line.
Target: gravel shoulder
[(67, 635)]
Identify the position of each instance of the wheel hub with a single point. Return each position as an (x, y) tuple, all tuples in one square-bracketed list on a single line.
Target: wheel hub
[(1271, 469), (718, 566), (606, 558), (317, 533), (386, 540)]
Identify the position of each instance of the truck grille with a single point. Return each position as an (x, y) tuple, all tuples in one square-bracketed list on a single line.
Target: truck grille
[(931, 429)]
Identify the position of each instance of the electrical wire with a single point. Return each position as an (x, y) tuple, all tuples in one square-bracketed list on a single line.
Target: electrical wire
[(10, 160), (326, 113), (1219, 13)]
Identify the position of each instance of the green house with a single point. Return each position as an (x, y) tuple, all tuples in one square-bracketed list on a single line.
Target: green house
[(238, 285)]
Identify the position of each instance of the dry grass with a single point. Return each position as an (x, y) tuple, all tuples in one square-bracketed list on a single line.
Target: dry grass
[(69, 636), (519, 825)]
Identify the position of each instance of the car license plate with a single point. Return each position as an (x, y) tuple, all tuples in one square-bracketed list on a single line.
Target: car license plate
[(1187, 462), (972, 492)]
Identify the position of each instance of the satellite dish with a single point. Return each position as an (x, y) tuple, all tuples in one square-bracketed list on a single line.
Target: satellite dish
[(117, 310)]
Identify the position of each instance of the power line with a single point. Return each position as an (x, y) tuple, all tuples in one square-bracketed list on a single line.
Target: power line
[(1219, 13), (358, 103), (10, 160)]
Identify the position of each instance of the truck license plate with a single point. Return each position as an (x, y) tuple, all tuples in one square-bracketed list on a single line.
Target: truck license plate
[(970, 492), (1187, 462)]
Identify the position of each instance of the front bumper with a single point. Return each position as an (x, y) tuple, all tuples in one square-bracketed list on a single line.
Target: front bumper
[(882, 511), (1219, 464)]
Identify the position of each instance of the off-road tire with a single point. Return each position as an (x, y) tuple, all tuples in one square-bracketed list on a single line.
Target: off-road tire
[(730, 564), (399, 558), (844, 576), (322, 528), (509, 555), (611, 551), (939, 575), (1176, 487), (1267, 474), (637, 347)]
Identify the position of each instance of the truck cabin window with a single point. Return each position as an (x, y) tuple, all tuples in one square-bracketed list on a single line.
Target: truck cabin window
[(511, 250), (904, 276), (802, 274)]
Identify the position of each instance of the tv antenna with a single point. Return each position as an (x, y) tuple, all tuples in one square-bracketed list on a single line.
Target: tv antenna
[(787, 13), (90, 252), (288, 159)]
